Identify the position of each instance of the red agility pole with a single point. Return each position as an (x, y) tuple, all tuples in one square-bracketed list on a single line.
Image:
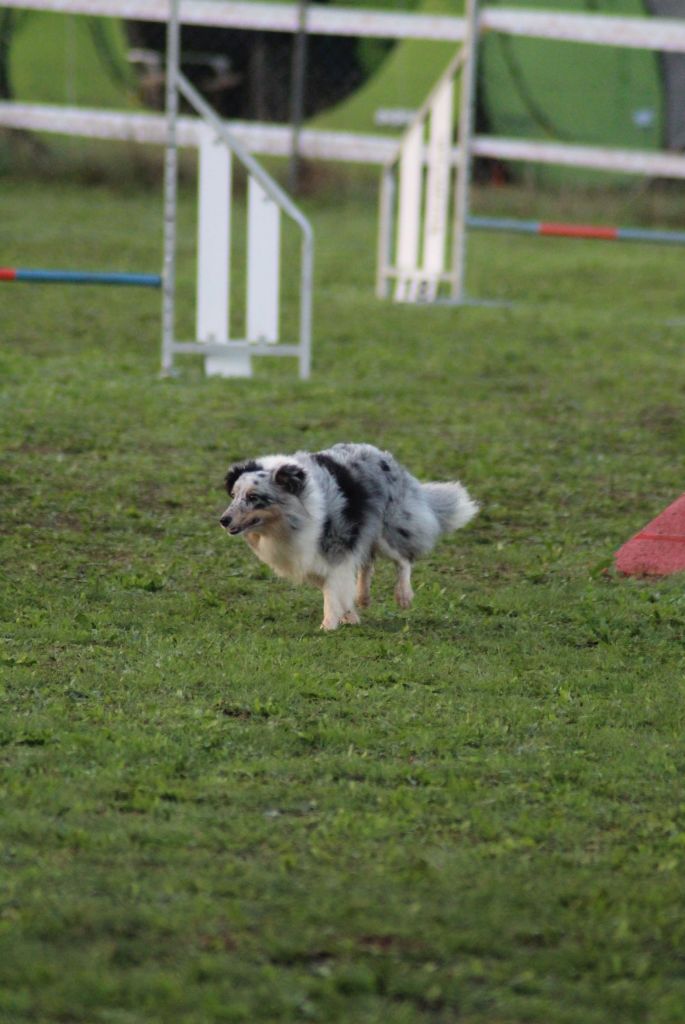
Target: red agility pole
[(578, 231), (590, 231)]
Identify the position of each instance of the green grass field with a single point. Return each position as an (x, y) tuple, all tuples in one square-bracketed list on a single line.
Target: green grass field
[(470, 813)]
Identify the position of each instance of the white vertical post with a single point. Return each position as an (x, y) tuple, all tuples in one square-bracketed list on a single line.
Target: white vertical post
[(263, 264), (409, 227), (306, 289), (213, 254), (170, 188), (466, 119), (385, 233), (437, 187)]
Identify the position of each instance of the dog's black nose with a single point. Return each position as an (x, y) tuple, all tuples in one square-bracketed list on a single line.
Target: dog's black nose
[(226, 520)]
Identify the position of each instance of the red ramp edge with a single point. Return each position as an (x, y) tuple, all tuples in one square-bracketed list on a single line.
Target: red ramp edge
[(659, 548)]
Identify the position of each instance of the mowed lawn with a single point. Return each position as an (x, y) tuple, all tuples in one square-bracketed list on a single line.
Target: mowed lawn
[(469, 813)]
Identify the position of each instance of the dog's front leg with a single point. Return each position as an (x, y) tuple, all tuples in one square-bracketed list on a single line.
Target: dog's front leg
[(338, 598)]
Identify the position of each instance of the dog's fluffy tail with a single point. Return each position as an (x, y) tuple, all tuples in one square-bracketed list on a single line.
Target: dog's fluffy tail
[(452, 504)]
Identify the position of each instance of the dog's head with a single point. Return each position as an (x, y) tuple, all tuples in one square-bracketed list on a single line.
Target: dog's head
[(260, 494)]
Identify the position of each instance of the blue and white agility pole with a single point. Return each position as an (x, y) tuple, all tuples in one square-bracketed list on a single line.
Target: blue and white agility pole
[(80, 277)]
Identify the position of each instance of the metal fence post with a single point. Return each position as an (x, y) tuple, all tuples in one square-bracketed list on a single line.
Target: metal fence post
[(170, 189), (299, 71), (466, 119)]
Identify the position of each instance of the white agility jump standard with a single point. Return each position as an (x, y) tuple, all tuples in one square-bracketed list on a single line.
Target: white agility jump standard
[(214, 258), (226, 356), (424, 191)]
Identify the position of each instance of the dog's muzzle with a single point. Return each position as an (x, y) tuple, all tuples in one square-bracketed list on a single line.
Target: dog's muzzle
[(234, 528)]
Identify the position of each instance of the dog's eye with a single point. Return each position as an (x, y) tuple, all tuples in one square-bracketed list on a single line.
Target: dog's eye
[(258, 500)]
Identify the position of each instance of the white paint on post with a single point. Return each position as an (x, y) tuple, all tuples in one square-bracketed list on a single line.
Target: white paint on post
[(437, 187), (263, 264), (409, 221), (213, 232), (385, 232), (213, 254)]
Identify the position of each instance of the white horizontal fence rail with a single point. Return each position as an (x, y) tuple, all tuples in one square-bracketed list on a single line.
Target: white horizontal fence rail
[(667, 34), (598, 158), (266, 17), (276, 140), (255, 137)]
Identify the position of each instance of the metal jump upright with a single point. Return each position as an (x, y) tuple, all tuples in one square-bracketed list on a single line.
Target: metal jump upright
[(225, 356), (426, 184)]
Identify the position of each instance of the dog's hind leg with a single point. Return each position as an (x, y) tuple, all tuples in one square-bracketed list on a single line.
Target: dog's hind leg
[(364, 574), (338, 598), (404, 595)]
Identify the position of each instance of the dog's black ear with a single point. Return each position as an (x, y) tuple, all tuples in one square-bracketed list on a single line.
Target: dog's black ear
[(236, 470), (291, 478)]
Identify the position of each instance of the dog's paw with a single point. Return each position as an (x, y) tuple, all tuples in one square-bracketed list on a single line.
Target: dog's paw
[(328, 625), (404, 596), (351, 618)]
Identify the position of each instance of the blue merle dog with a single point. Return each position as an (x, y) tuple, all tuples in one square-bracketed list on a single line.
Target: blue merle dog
[(323, 517)]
